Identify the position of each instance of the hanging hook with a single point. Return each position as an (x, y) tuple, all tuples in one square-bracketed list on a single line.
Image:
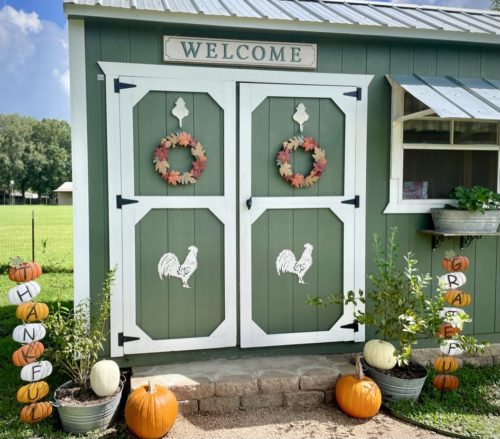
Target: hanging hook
[(180, 110), (301, 116)]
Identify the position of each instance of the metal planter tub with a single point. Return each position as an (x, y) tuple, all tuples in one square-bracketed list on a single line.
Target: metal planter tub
[(393, 388), (465, 221), (82, 419)]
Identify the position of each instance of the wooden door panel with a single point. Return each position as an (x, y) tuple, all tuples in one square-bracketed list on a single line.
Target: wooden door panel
[(153, 120), (286, 226), (279, 302), (272, 125), (164, 309)]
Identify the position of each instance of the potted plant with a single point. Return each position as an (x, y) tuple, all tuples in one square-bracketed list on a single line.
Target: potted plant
[(89, 400), (477, 211), (401, 313)]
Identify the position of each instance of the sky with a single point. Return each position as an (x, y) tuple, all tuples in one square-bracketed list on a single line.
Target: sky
[(34, 75)]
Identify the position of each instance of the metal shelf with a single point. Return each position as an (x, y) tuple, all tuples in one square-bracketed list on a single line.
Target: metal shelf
[(466, 238)]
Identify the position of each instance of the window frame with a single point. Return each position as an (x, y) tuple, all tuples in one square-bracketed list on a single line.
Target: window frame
[(396, 202)]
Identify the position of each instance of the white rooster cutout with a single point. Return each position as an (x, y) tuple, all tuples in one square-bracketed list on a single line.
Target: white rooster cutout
[(169, 266), (286, 262)]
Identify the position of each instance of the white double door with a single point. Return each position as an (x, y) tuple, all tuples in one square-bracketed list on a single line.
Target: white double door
[(128, 334)]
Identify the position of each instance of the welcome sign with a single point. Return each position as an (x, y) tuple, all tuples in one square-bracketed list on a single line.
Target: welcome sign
[(239, 52)]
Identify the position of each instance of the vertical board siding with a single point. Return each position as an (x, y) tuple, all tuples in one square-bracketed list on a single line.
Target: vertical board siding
[(142, 44)]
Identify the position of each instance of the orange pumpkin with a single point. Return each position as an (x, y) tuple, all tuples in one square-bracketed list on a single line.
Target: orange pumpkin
[(32, 392), (35, 412), (150, 411), (24, 271), (457, 298), (27, 353), (446, 364), (455, 263), (444, 383), (32, 312), (357, 395), (447, 330)]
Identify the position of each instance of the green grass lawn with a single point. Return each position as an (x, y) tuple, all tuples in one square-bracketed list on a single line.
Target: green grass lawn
[(53, 235), (473, 410)]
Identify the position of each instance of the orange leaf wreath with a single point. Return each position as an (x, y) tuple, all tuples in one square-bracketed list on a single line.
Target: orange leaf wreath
[(174, 177), (283, 157)]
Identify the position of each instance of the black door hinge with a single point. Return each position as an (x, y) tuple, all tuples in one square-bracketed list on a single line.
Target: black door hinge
[(355, 94), (354, 201), (125, 338), (122, 201), (354, 325), (121, 85)]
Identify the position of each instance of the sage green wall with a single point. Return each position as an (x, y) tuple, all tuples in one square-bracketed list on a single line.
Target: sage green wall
[(142, 43)]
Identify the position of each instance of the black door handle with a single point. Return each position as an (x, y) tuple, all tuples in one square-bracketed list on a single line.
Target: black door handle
[(249, 203)]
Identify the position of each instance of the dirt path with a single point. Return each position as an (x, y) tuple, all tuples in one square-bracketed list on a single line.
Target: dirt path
[(284, 423)]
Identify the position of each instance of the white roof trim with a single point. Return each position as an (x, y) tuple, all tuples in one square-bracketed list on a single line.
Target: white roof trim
[(78, 11)]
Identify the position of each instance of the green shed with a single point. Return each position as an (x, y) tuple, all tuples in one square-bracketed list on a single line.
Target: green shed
[(232, 157)]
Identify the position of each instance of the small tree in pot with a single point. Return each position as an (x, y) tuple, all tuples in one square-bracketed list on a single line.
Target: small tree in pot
[(76, 338), (402, 312)]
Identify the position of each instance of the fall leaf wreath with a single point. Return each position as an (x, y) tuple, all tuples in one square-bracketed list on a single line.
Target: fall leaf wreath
[(285, 168), (184, 140)]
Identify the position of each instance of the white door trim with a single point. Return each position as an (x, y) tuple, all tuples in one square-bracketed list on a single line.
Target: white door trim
[(251, 95), (122, 222), (115, 70)]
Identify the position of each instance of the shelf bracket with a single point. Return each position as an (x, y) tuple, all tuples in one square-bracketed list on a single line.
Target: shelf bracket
[(436, 241), (465, 241)]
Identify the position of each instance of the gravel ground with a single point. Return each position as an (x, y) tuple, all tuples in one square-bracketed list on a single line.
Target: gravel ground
[(285, 423)]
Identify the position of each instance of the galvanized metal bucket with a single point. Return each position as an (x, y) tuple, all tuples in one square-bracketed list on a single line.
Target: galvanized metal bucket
[(393, 388), (465, 221), (82, 419)]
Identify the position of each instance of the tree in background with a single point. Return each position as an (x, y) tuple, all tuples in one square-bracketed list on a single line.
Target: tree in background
[(51, 164), (34, 154), (495, 4), (15, 149)]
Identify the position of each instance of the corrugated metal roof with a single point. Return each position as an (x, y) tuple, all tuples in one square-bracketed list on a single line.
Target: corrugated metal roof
[(339, 12), (449, 96)]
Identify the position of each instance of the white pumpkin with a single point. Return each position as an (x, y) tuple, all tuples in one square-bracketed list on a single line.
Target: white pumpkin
[(450, 281), (23, 293), (36, 371), (105, 377), (28, 333), (450, 347), (380, 354)]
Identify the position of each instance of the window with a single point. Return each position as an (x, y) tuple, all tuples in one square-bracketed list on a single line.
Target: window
[(431, 155)]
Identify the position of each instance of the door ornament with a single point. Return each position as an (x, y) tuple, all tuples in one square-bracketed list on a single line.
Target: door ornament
[(180, 110), (169, 266), (308, 144), (184, 140), (286, 262)]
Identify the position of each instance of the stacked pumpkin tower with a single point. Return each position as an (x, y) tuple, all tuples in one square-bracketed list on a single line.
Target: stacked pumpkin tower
[(29, 334), (447, 364)]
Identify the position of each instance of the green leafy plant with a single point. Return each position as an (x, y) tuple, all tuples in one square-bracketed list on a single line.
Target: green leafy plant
[(76, 335), (476, 198), (402, 311)]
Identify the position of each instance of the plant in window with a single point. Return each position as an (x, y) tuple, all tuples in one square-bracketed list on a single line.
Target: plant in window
[(476, 198), (477, 211)]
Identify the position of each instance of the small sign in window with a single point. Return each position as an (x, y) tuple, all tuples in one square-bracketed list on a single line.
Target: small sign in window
[(415, 190)]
